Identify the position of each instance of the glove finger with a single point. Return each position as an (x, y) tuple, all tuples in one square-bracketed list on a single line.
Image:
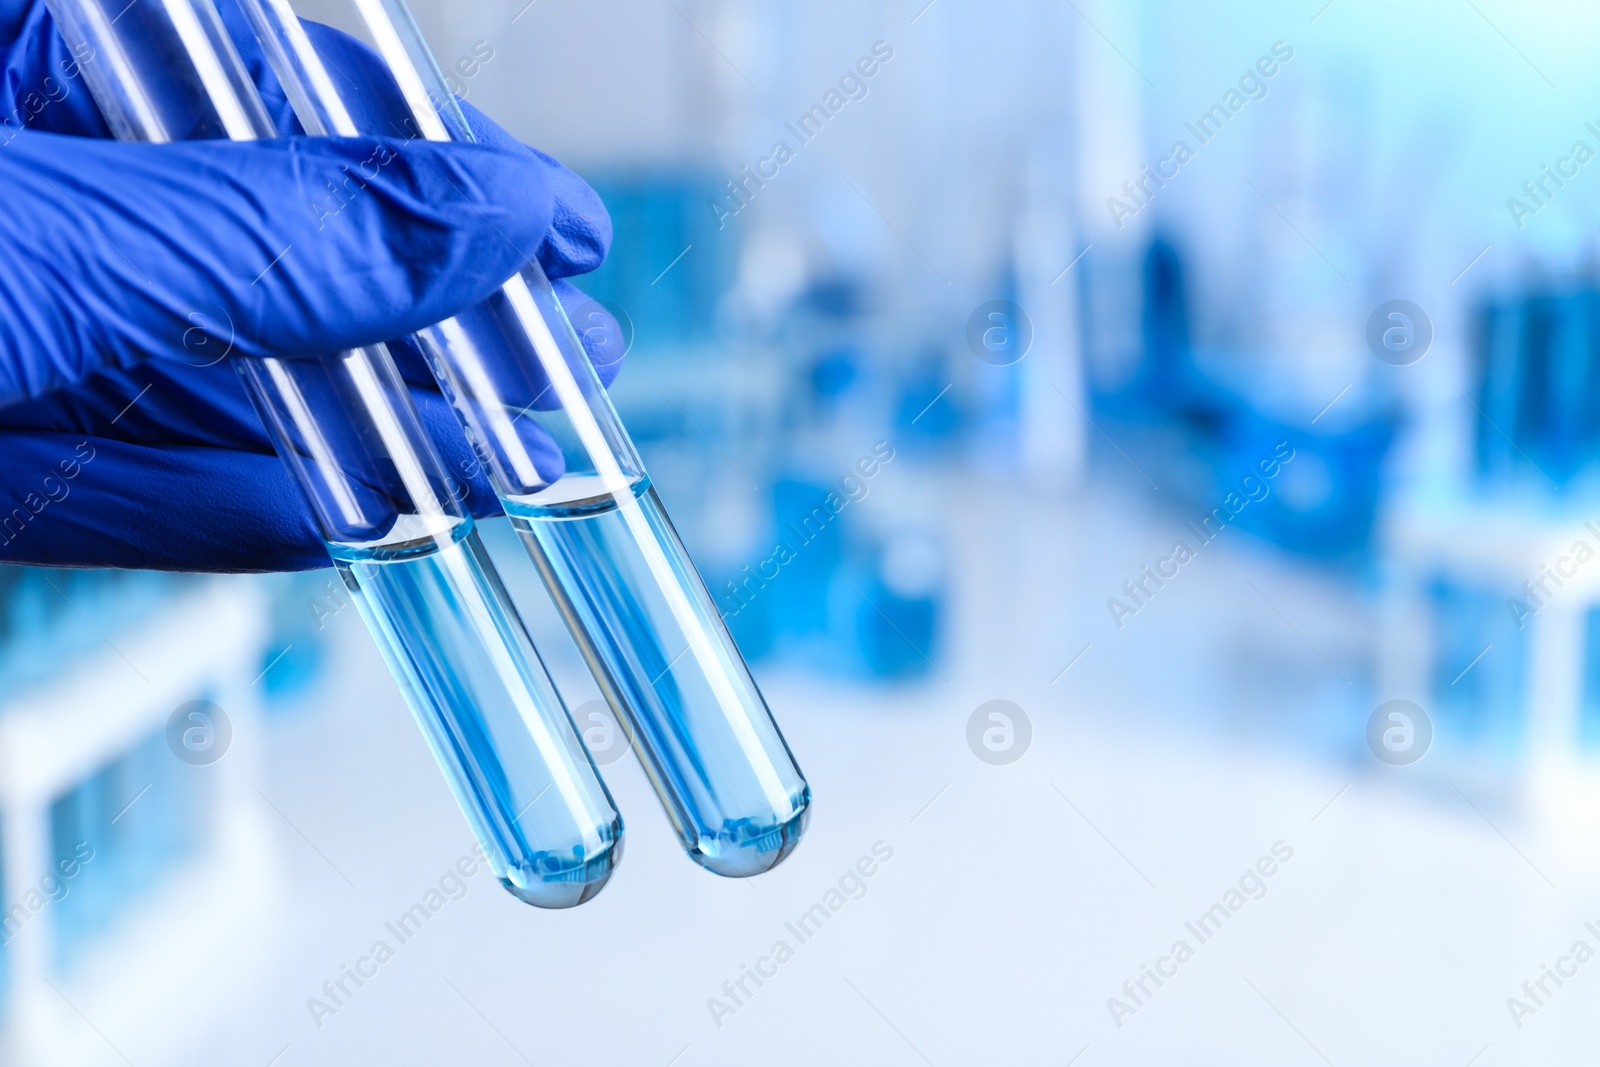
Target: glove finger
[(182, 440), (580, 231), (289, 248), (78, 501), (97, 502), (164, 404), (156, 402)]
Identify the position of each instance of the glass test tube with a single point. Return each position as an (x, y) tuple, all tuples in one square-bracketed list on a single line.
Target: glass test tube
[(346, 428), (590, 519)]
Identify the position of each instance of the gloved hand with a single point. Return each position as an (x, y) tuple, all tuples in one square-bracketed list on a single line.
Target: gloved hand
[(131, 273)]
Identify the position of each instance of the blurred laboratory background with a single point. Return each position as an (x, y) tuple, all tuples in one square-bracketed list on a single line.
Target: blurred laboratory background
[(1150, 456)]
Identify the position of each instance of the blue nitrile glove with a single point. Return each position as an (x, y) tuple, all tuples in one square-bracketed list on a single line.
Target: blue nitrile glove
[(128, 272)]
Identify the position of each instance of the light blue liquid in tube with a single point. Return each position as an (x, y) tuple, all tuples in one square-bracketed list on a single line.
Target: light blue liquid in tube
[(591, 522), (346, 428)]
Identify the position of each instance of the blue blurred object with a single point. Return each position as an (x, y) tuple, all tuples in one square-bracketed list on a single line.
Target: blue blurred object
[(818, 539), (835, 297), (1538, 375), (834, 371), (893, 606), (1199, 436), (834, 593), (926, 410), (668, 266), (303, 605), (43, 612), (1589, 705), (784, 594), (1322, 502), (139, 813), (119, 832), (1164, 377), (1479, 666)]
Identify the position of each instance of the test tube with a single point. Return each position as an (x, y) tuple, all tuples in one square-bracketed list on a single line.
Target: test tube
[(591, 521), (346, 428)]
